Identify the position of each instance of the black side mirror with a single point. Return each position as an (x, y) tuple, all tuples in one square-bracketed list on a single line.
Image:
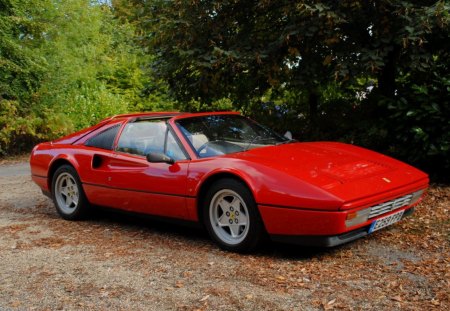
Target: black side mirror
[(154, 157)]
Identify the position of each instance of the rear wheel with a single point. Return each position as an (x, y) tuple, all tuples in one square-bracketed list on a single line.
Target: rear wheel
[(68, 195), (232, 218)]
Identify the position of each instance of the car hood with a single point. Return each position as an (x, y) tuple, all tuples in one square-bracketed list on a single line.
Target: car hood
[(343, 171)]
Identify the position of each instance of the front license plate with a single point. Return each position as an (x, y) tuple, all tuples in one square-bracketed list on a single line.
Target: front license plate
[(385, 221)]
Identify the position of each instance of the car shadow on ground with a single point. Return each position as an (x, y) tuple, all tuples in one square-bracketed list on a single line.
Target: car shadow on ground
[(195, 235), (294, 252), (149, 223)]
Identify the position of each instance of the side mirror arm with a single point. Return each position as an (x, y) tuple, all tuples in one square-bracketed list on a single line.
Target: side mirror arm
[(154, 157)]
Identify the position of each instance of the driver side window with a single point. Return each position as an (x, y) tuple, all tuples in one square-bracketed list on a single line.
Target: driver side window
[(145, 136)]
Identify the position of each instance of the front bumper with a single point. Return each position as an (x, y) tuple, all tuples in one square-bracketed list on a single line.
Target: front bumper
[(328, 240), (319, 235)]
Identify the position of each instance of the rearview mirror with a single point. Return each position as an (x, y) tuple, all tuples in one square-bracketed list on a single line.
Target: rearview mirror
[(154, 157)]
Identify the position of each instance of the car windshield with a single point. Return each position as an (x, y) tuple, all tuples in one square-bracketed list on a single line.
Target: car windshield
[(223, 134)]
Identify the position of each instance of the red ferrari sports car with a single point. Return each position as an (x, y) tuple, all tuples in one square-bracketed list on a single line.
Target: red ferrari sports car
[(239, 179)]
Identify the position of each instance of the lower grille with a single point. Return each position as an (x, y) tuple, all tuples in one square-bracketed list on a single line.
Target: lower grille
[(390, 205)]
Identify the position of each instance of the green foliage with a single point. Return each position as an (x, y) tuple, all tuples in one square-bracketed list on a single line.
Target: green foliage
[(305, 65), (420, 118), (20, 72), (19, 35), (64, 66), (94, 76), (223, 104), (373, 73), (18, 131), (9, 130)]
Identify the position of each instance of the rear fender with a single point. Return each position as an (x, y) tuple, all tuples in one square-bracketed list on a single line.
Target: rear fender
[(57, 162)]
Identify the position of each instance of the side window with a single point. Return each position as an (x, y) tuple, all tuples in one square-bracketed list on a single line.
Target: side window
[(104, 139), (145, 136), (142, 137), (173, 150)]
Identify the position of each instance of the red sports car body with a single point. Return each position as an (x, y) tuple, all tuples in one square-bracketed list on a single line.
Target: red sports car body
[(225, 171)]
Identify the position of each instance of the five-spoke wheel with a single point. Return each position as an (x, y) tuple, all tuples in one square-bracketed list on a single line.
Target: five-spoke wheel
[(232, 218), (229, 215), (68, 195)]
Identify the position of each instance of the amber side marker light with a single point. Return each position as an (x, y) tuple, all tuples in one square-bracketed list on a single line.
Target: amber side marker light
[(358, 217), (351, 215)]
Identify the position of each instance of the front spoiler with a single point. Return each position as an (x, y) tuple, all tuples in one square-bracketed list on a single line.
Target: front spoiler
[(327, 241)]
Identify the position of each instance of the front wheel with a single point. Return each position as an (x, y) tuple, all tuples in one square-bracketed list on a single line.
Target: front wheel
[(68, 195), (232, 218)]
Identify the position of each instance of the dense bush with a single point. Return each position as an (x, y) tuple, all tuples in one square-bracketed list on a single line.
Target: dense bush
[(419, 121), (373, 73)]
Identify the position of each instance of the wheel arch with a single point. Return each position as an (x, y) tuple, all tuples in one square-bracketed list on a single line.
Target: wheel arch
[(54, 166)]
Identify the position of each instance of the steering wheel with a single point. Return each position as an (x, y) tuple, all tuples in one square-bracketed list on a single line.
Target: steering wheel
[(204, 146)]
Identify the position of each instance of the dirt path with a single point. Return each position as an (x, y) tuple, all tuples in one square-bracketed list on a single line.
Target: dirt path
[(20, 169), (116, 262)]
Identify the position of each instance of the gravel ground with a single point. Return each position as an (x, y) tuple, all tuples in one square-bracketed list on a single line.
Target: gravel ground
[(117, 262)]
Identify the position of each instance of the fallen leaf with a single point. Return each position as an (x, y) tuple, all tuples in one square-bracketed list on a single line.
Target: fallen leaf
[(435, 302), (331, 302), (15, 304), (397, 298), (204, 298)]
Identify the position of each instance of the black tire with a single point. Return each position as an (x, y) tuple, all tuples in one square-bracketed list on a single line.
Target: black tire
[(66, 188), (227, 206)]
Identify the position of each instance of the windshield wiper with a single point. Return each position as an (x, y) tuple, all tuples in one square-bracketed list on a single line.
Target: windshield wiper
[(252, 141), (289, 141), (257, 138)]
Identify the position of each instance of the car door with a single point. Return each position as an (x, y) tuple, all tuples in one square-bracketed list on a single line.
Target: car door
[(130, 182)]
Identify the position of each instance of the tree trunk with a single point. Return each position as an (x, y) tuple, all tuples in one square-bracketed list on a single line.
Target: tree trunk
[(386, 77), (313, 100)]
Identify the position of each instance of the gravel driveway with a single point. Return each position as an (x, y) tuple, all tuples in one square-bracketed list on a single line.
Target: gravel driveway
[(122, 262)]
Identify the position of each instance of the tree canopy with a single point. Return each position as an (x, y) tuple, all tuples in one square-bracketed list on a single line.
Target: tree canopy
[(64, 66), (373, 73), (370, 72)]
